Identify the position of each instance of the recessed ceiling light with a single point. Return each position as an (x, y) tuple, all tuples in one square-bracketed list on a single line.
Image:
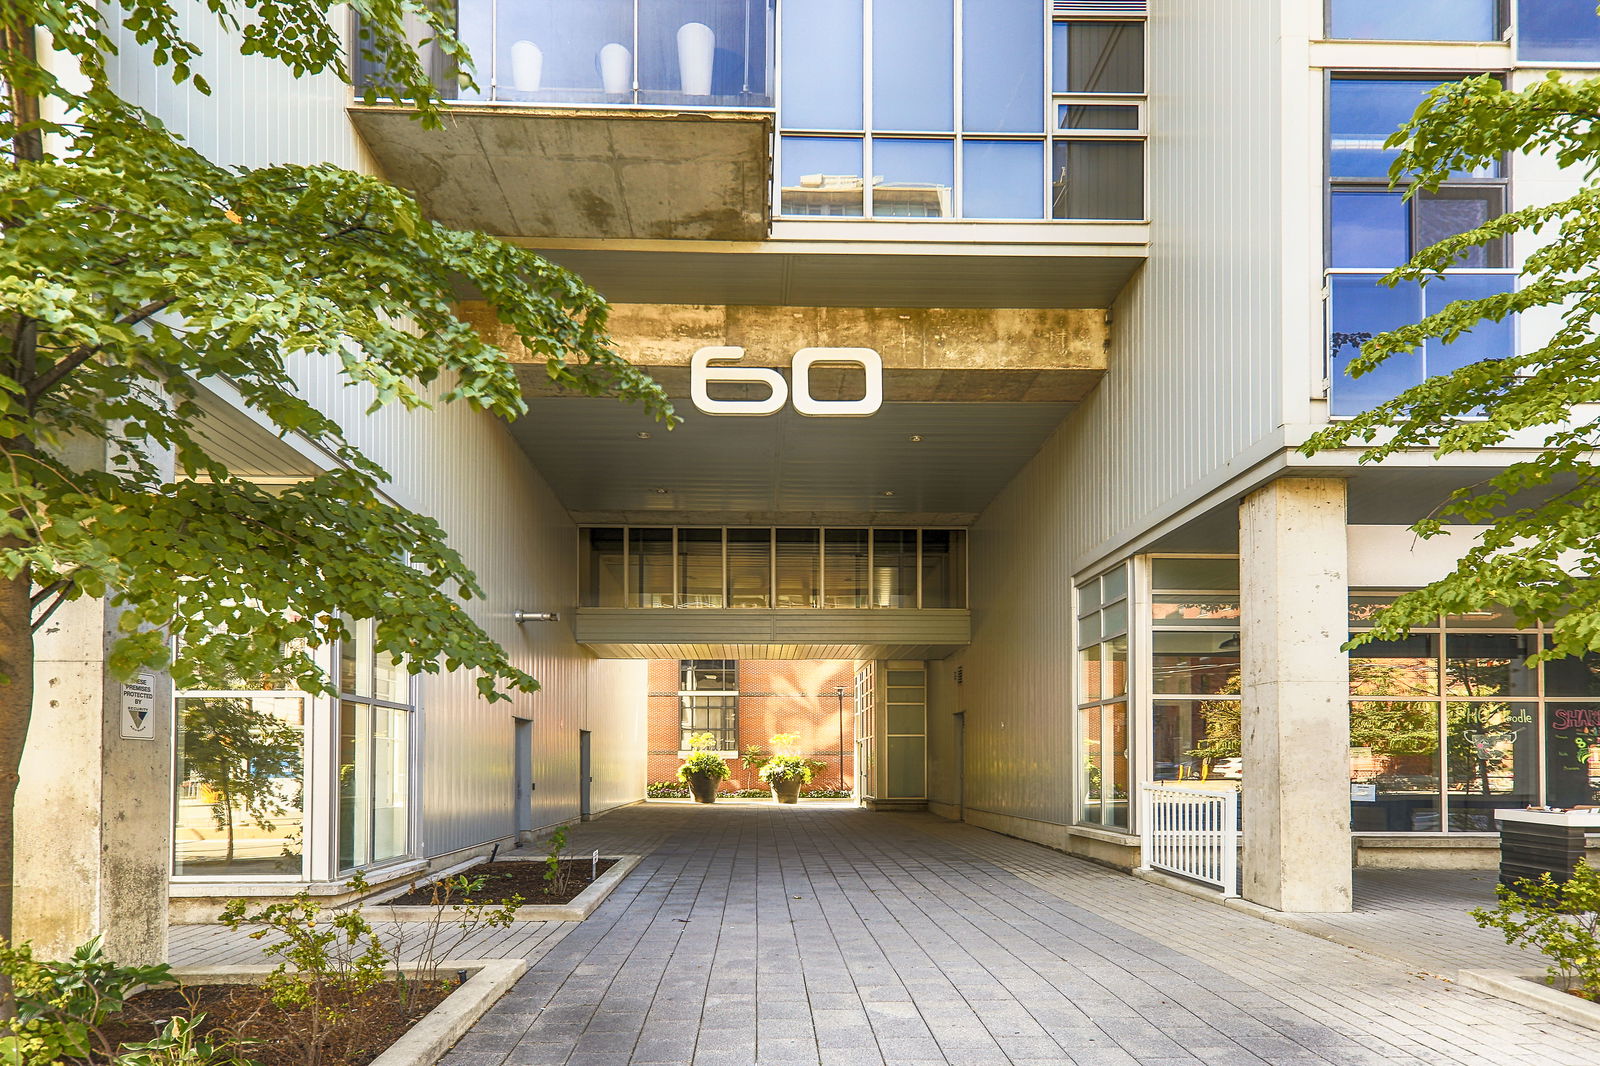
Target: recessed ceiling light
[(915, 438), (662, 492), (888, 492), (642, 435)]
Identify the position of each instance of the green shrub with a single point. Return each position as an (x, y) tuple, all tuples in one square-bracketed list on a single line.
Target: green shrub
[(667, 790), (786, 768), (60, 1006), (703, 762), (1561, 921), (180, 1043)]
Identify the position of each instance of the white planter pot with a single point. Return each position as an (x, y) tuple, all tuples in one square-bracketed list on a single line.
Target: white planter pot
[(696, 47), (616, 68), (527, 66)]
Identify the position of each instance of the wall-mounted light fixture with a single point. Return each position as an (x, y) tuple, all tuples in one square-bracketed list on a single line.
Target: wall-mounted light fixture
[(536, 616)]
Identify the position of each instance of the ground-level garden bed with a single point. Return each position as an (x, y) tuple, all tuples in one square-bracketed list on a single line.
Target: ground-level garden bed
[(518, 887), (527, 881)]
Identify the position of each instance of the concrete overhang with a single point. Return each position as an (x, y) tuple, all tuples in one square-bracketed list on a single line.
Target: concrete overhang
[(653, 633), (871, 264), (937, 355), (581, 173)]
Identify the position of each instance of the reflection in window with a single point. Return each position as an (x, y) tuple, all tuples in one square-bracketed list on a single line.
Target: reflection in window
[(1414, 20), (603, 575), (894, 568), (913, 178), (1572, 675), (1196, 740), (1201, 662), (1408, 667), (944, 568), (822, 176), (240, 784), (1558, 30), (717, 715), (1394, 766), (1001, 179), (1490, 664), (1571, 752), (374, 783), (1492, 760), (1097, 57)]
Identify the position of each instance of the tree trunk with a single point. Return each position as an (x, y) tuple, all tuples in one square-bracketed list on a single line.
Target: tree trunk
[(16, 708)]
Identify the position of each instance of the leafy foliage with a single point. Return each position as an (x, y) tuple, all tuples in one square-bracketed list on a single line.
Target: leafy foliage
[(182, 1042), (1541, 515), (555, 871), (708, 763), (785, 768), (60, 1006), (1561, 921), (243, 755)]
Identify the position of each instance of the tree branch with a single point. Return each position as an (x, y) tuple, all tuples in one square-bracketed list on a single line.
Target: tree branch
[(45, 593), (38, 623), (54, 376)]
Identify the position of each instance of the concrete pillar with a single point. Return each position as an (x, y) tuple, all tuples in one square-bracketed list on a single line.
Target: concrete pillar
[(94, 824), (1296, 717)]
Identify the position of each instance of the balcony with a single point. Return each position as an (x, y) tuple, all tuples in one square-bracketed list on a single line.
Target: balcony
[(607, 119), (1359, 308)]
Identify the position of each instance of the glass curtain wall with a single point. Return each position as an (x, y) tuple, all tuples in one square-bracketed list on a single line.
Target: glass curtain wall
[(1195, 678), (1104, 743), (240, 780), (1452, 722), (959, 110), (1416, 20), (1373, 228), (712, 567), (374, 753)]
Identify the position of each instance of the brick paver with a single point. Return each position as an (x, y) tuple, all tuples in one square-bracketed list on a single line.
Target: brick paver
[(753, 934)]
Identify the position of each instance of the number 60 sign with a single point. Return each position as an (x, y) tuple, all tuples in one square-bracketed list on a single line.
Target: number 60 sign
[(707, 366)]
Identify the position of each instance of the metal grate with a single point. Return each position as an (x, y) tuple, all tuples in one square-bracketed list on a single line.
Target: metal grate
[(1098, 7)]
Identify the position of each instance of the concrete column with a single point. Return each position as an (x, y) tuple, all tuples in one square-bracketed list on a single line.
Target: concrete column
[(1296, 715), (94, 817)]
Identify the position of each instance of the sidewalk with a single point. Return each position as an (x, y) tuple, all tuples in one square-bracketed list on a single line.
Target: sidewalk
[(836, 937)]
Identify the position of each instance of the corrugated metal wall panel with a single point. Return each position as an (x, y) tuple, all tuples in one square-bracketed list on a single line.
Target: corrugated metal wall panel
[(1196, 378), (461, 467)]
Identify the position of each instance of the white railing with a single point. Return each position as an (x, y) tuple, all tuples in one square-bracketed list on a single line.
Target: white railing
[(1191, 832)]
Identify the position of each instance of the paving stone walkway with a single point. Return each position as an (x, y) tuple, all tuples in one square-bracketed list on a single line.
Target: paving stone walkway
[(753, 935)]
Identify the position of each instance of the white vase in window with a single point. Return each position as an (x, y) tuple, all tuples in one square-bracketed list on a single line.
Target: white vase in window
[(696, 46), (616, 68), (527, 66)]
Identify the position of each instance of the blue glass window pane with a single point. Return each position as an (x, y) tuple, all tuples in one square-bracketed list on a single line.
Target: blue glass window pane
[(703, 52), (1362, 114), (1362, 309), (913, 179), (1369, 229), (913, 65), (1486, 340), (1414, 20), (821, 176), (822, 65), (1002, 179), (1558, 29), (1002, 66), (551, 51)]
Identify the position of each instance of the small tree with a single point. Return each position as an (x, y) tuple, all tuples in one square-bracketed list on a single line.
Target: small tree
[(1540, 513), (134, 272)]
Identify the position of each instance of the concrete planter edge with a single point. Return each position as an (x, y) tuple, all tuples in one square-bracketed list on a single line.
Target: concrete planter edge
[(1530, 991), (435, 1033), (580, 907)]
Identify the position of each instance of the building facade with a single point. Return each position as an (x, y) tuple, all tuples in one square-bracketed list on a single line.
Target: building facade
[(1106, 258)]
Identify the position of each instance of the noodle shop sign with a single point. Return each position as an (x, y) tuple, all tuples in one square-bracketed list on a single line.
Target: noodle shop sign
[(715, 365)]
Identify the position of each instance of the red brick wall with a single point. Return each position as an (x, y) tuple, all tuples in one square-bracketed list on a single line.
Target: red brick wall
[(775, 696)]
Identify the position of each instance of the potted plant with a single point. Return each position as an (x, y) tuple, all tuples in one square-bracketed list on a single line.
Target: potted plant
[(703, 769), (786, 772)]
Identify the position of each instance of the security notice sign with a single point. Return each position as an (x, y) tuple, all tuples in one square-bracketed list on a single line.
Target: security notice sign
[(139, 707)]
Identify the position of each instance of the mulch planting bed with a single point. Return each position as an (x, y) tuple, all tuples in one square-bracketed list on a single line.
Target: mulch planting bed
[(524, 878), (367, 1026)]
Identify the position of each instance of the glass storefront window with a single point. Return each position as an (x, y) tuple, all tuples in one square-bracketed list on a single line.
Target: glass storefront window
[(1091, 784), (1200, 662), (1105, 746), (1571, 753), (1490, 664), (241, 785), (1171, 609), (1492, 761), (1408, 667), (1394, 766)]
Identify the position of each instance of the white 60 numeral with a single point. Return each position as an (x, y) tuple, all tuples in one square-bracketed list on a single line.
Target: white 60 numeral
[(709, 365)]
